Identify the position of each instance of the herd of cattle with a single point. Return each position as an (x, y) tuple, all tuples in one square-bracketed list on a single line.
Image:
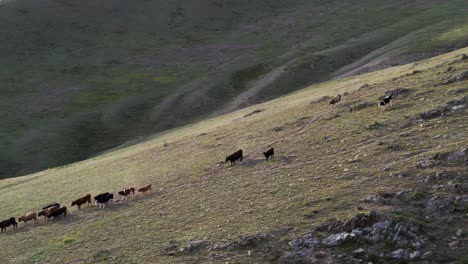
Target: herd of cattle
[(54, 210)]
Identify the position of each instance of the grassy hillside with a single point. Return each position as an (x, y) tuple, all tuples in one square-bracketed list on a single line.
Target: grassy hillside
[(80, 77), (327, 161)]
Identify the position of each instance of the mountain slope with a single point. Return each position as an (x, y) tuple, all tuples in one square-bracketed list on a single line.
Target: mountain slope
[(78, 78), (327, 161)]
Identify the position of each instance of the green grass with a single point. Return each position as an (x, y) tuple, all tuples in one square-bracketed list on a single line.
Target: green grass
[(185, 61), (196, 199)]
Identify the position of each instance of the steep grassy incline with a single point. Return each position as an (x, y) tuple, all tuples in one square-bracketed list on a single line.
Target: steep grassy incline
[(80, 77), (327, 160)]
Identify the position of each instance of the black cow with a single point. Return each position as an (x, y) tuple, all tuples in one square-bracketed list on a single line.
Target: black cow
[(235, 156), (55, 213), (51, 205), (268, 153), (386, 101), (103, 200), (6, 223), (96, 198)]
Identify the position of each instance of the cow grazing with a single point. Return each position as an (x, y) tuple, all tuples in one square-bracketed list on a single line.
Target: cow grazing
[(125, 193), (27, 217), (6, 223), (105, 199), (269, 153), (97, 197), (235, 156), (335, 100), (57, 212), (47, 211), (82, 200), (51, 205), (385, 102), (145, 188)]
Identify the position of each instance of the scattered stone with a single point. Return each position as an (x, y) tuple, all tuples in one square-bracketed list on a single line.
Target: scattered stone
[(427, 163), (458, 108), (400, 254), (457, 155), (458, 91), (359, 253), (443, 109), (454, 243), (456, 78), (360, 220), (415, 255), (338, 239), (307, 241), (427, 254), (440, 204), (193, 246), (459, 233)]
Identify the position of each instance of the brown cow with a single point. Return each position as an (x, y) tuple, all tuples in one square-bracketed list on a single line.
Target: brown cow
[(82, 200), (31, 216), (47, 211), (125, 193), (335, 100), (145, 188), (268, 153)]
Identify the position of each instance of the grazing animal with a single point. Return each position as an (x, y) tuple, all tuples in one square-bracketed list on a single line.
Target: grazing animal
[(51, 205), (31, 216), (103, 200), (268, 153), (82, 200), (385, 102), (97, 197), (125, 193), (6, 223), (335, 100), (47, 211), (145, 188), (55, 213), (235, 156)]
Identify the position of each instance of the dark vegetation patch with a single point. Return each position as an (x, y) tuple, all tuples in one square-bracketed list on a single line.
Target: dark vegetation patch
[(445, 109), (455, 78)]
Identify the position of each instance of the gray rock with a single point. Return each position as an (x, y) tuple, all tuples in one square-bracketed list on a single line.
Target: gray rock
[(371, 199), (359, 253), (458, 107), (459, 233), (415, 255), (440, 204), (338, 239), (400, 254), (307, 241), (457, 155), (427, 163), (193, 246), (427, 254)]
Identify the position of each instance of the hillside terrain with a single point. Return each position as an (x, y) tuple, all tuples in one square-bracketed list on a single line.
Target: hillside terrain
[(81, 77), (348, 184)]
